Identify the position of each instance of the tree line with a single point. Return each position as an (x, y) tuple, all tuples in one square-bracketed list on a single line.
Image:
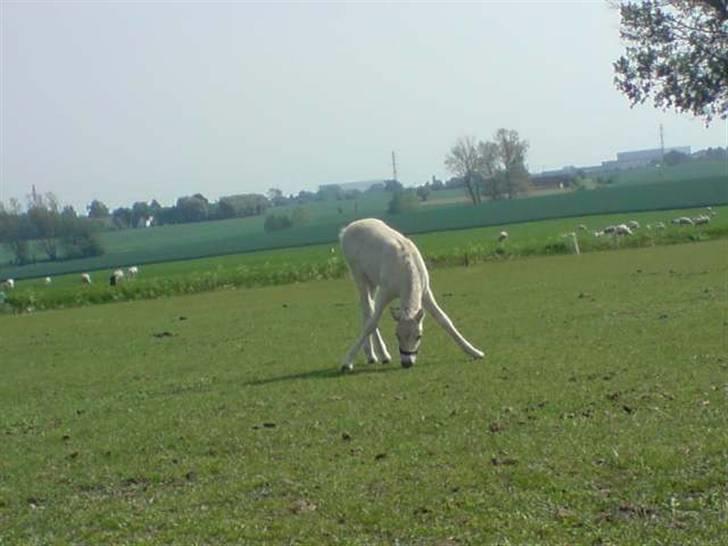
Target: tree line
[(58, 231)]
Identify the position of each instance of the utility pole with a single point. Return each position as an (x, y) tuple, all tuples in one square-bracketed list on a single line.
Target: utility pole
[(662, 145), (394, 167)]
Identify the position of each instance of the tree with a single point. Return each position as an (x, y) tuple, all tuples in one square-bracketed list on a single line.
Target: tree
[(674, 157), (97, 210), (329, 192), (463, 161), (240, 206), (423, 192), (677, 53), (192, 208), (122, 217), (276, 197), (510, 152), (45, 221), (277, 222), (437, 184), (393, 185), (80, 240), (16, 231), (140, 211), (496, 168), (488, 161), (403, 201)]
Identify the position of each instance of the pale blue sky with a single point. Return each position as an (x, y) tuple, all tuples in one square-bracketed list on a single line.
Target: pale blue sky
[(126, 101)]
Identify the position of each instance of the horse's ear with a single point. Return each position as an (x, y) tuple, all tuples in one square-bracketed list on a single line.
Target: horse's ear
[(420, 314), (396, 313)]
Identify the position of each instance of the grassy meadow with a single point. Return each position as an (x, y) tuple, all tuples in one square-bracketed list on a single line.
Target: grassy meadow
[(682, 171), (316, 262), (597, 417), (206, 239)]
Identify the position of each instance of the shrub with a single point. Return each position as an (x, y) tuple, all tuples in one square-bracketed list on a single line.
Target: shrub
[(277, 222), (403, 201)]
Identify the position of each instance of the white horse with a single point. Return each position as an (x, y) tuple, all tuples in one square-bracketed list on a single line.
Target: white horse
[(386, 265)]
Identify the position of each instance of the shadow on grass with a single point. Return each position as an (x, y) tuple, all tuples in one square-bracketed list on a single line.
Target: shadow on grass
[(326, 373)]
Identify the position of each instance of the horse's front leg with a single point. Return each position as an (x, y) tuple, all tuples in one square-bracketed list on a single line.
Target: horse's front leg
[(429, 303), (380, 302)]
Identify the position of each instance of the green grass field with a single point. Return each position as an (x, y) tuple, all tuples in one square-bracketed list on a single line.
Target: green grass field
[(597, 417), (462, 247), (683, 171), (205, 239)]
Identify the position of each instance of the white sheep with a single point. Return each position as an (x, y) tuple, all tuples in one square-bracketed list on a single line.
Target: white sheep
[(582, 227), (660, 225), (116, 277), (85, 278), (609, 229), (47, 280), (8, 283), (702, 219), (622, 229), (502, 236), (633, 224), (133, 271), (683, 220)]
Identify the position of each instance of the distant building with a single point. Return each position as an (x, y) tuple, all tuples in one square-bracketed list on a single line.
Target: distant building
[(632, 159), (641, 158), (363, 185)]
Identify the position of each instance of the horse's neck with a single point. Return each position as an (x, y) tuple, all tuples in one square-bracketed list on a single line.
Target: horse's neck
[(412, 288)]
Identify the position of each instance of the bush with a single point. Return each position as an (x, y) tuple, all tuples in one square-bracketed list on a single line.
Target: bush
[(82, 241), (300, 216), (277, 222), (403, 201)]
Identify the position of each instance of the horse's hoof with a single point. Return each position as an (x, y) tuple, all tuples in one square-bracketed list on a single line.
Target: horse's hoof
[(407, 364), (346, 368)]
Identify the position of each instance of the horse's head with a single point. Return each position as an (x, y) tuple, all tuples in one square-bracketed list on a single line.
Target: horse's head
[(409, 335)]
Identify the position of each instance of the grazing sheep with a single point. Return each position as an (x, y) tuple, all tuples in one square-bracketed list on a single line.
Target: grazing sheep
[(598, 233), (582, 227), (502, 236), (633, 224), (622, 229), (683, 221), (699, 220), (8, 283), (116, 277), (710, 211), (85, 278), (609, 229), (386, 265), (332, 251), (47, 280), (133, 271), (660, 225)]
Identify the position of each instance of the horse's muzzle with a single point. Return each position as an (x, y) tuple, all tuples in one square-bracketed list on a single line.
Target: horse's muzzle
[(407, 358)]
